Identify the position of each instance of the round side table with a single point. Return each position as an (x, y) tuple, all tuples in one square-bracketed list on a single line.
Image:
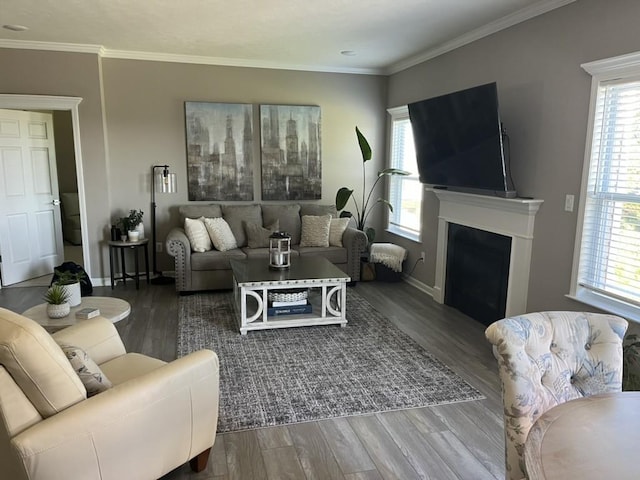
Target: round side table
[(114, 246), (114, 309)]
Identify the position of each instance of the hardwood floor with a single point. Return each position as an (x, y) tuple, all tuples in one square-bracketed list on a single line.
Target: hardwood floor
[(455, 441)]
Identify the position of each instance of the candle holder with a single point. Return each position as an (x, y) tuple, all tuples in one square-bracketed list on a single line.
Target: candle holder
[(279, 251)]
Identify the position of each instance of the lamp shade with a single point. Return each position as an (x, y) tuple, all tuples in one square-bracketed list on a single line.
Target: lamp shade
[(166, 182)]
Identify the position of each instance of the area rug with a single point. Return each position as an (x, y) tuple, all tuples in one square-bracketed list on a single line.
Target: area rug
[(292, 375)]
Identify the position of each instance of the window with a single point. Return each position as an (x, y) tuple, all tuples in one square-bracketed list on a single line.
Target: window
[(607, 274), (405, 192)]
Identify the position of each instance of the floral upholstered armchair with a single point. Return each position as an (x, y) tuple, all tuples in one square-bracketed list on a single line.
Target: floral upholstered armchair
[(548, 358)]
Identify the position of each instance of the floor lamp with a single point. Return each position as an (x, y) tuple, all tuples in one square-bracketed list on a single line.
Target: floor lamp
[(165, 182)]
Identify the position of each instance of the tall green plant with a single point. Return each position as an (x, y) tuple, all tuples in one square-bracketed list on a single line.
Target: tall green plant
[(631, 362), (366, 205)]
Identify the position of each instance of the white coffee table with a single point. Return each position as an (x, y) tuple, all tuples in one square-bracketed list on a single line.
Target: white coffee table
[(114, 309), (252, 279)]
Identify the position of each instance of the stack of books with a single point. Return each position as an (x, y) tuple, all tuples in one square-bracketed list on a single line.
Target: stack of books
[(293, 307)]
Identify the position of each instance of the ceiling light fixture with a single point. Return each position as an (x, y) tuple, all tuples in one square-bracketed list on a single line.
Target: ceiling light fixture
[(15, 28), (348, 53)]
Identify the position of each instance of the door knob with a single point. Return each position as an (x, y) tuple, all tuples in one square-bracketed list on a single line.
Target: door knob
[(55, 202)]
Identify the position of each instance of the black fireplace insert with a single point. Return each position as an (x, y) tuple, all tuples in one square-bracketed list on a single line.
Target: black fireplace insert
[(477, 272)]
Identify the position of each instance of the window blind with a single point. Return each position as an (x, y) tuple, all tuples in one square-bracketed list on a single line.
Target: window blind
[(405, 192), (610, 253)]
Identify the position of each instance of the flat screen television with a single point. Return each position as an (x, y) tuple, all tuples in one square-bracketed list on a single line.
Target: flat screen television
[(459, 142)]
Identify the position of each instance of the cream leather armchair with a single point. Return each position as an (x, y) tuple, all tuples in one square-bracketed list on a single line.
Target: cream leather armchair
[(156, 416), (548, 358)]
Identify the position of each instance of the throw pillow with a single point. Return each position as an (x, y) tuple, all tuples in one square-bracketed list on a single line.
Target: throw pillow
[(221, 235), (258, 236), (336, 229), (197, 234), (89, 372), (315, 231), (289, 217), (236, 215)]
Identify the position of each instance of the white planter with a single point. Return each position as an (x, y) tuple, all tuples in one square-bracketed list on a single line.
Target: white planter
[(134, 235), (58, 311), (74, 292), (140, 230)]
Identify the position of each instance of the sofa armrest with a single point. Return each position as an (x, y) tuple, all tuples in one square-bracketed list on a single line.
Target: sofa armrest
[(139, 429), (97, 336), (355, 241), (179, 247)]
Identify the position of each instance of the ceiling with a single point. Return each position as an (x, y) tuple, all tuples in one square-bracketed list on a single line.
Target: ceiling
[(384, 36)]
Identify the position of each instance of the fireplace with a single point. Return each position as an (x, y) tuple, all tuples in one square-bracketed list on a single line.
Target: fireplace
[(477, 272), (511, 218)]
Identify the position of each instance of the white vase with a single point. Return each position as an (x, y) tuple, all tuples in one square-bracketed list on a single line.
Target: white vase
[(58, 311), (134, 235), (140, 230), (74, 292)]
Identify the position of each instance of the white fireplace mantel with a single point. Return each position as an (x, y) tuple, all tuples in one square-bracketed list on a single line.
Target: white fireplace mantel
[(511, 217)]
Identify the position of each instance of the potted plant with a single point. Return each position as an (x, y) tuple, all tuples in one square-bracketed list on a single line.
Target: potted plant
[(631, 362), (122, 224), (134, 225), (366, 205), (70, 283), (57, 299)]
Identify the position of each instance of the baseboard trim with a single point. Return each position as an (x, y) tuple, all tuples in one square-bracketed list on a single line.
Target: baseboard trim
[(423, 287), (106, 281)]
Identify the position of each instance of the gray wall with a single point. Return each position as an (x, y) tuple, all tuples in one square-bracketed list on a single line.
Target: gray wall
[(544, 102), (132, 117), (144, 104), (34, 72), (544, 96)]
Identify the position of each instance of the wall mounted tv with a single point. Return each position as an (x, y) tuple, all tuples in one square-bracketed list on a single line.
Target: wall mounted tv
[(460, 144)]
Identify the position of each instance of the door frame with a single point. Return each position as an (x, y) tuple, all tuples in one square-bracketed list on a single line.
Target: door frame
[(49, 102)]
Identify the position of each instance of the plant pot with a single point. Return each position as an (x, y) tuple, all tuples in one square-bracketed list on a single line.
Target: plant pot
[(74, 292), (58, 311), (134, 235), (140, 230)]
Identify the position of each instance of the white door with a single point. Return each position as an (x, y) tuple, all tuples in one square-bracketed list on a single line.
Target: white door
[(30, 222)]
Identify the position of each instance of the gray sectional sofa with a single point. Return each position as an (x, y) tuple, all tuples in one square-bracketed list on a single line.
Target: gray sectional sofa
[(211, 270)]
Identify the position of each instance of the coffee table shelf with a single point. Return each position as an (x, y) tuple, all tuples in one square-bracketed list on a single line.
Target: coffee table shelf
[(254, 280)]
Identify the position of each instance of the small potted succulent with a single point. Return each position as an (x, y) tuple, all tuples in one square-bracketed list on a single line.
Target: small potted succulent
[(57, 299)]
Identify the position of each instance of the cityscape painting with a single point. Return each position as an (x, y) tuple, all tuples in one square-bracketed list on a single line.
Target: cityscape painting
[(219, 151), (291, 152)]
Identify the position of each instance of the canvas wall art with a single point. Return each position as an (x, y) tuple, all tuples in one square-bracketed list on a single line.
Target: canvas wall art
[(291, 152), (219, 150)]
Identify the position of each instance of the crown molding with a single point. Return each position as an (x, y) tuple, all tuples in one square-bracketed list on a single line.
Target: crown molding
[(503, 23), (51, 46), (177, 58), (484, 31), (231, 62)]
